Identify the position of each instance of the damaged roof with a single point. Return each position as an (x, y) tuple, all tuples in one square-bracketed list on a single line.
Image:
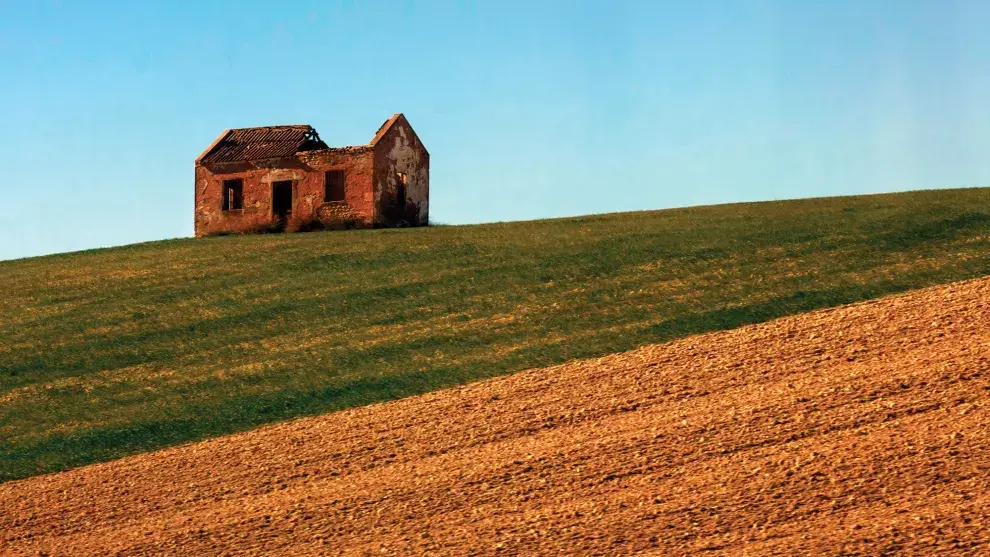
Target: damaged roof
[(269, 142), (275, 142)]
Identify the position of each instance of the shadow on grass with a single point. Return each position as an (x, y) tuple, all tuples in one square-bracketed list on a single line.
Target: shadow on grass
[(239, 413)]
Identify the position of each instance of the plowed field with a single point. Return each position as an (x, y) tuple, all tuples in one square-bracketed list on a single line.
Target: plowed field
[(858, 430)]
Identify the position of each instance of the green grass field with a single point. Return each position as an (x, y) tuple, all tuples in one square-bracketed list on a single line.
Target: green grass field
[(111, 352)]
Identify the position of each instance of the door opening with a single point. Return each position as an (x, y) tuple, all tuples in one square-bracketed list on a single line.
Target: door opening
[(400, 196), (281, 202)]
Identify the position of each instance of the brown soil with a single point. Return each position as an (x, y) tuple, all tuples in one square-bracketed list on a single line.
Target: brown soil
[(858, 430)]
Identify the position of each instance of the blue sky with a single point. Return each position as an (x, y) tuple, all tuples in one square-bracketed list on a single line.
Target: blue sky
[(529, 109)]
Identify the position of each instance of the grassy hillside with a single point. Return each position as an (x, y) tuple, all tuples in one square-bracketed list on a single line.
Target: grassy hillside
[(111, 352)]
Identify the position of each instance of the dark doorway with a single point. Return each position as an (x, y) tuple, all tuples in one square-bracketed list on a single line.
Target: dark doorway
[(401, 199), (281, 201), (400, 196)]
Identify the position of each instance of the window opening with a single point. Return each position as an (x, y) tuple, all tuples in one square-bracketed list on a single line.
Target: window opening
[(233, 194), (333, 189)]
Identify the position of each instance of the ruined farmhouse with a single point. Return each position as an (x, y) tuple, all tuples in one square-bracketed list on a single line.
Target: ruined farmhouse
[(287, 178)]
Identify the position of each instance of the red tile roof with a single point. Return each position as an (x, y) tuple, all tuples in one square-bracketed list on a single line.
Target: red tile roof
[(270, 142)]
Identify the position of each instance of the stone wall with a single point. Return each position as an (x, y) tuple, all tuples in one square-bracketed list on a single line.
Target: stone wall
[(306, 171)]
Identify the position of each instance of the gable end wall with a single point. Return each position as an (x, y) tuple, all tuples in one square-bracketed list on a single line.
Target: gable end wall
[(400, 150)]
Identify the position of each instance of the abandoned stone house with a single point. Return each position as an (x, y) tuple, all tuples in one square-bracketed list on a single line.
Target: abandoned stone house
[(286, 177)]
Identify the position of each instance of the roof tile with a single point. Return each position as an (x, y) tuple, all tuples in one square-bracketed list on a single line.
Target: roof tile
[(250, 144)]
